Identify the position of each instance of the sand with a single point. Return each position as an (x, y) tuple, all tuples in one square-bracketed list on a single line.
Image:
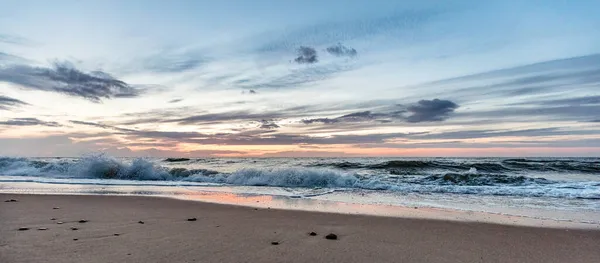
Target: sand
[(221, 233)]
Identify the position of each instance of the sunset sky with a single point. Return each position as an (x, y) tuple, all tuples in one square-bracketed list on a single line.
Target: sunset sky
[(300, 78)]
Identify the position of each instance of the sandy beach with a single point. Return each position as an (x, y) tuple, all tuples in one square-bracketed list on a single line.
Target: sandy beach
[(149, 229)]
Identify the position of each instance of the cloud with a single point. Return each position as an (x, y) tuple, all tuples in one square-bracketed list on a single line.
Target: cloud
[(268, 124), (362, 116), (422, 111), (340, 50), (15, 40), (99, 125), (175, 100), (431, 110), (64, 78), (29, 122), (490, 133), (173, 62), (306, 55), (6, 103), (252, 91), (6, 58)]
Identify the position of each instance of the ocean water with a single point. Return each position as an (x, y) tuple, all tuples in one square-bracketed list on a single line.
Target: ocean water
[(555, 188)]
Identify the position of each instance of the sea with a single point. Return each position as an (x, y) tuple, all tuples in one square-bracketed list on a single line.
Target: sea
[(561, 189)]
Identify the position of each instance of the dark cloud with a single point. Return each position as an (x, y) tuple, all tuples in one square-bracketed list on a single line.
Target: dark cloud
[(268, 124), (252, 91), (66, 79), (320, 120), (29, 122), (6, 103), (431, 110), (306, 55), (175, 100), (340, 50)]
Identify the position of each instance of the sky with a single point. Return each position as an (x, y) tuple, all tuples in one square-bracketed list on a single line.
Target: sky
[(300, 78)]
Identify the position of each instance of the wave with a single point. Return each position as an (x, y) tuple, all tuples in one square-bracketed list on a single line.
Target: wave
[(492, 166), (471, 181)]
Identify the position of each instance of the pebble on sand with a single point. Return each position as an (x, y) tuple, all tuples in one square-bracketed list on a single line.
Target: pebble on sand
[(53, 218), (116, 235), (42, 228), (23, 228), (75, 239), (192, 219), (312, 234), (274, 243), (74, 228), (56, 207), (60, 223), (141, 222), (331, 237), (11, 200), (83, 221)]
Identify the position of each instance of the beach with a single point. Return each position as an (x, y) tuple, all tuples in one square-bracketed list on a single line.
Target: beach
[(153, 229)]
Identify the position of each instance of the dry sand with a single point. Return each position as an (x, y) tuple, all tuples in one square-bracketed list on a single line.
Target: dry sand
[(225, 233)]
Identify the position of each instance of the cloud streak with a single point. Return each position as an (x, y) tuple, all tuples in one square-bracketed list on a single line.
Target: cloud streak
[(29, 122), (7, 103), (64, 78)]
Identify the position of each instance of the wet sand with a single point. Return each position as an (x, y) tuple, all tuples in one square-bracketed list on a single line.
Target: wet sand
[(221, 233)]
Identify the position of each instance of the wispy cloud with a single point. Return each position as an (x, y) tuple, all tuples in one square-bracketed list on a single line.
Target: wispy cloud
[(15, 40), (64, 78), (7, 103), (340, 50), (29, 122)]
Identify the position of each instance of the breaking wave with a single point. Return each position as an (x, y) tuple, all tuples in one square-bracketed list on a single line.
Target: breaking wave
[(484, 178)]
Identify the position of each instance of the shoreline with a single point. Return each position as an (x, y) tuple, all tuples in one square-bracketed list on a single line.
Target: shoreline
[(227, 233), (226, 196)]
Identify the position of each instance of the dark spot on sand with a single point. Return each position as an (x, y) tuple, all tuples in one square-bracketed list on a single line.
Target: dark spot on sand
[(116, 235), (331, 237), (11, 200), (56, 207), (218, 226), (255, 208), (53, 218), (75, 239), (23, 228), (74, 228), (192, 219), (129, 254), (83, 221), (42, 228), (60, 223), (274, 243), (141, 222), (312, 234)]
